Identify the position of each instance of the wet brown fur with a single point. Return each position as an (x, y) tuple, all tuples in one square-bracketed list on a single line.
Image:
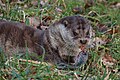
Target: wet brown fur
[(57, 41)]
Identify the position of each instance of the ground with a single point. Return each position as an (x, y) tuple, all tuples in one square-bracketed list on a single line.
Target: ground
[(104, 58)]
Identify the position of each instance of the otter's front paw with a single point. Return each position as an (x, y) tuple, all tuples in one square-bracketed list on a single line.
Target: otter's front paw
[(79, 60)]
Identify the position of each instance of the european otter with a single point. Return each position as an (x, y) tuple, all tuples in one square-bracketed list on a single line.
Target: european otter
[(60, 43)]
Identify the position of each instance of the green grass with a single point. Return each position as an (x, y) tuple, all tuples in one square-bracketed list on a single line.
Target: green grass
[(16, 70)]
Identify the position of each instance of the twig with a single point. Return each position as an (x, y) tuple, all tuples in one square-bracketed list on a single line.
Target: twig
[(76, 76), (64, 4), (29, 61), (107, 77)]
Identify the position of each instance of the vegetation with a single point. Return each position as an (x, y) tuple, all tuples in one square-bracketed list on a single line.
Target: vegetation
[(105, 19)]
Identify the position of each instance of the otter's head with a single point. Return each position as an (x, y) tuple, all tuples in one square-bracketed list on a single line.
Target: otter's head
[(67, 35), (80, 29)]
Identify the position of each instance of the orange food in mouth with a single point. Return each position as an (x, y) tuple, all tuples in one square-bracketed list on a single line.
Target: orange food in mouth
[(82, 47)]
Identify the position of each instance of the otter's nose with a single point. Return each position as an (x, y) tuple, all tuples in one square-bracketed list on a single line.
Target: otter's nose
[(83, 41)]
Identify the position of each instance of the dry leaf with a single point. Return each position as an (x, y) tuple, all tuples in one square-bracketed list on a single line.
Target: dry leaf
[(58, 10), (42, 27), (34, 21), (107, 77), (115, 5), (102, 1), (77, 10), (92, 13), (34, 2), (2, 4), (115, 29), (45, 22), (43, 2), (88, 3), (102, 27), (108, 60), (118, 5), (97, 42)]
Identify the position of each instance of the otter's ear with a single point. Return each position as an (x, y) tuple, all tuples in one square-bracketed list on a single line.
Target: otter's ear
[(65, 22)]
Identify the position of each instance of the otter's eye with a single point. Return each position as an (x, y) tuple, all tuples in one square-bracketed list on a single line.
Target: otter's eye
[(65, 22), (75, 33), (87, 33)]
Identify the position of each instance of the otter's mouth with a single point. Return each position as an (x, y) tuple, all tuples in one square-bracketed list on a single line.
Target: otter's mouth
[(80, 59)]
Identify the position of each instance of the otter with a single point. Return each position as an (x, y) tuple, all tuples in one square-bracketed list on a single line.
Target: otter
[(60, 43)]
